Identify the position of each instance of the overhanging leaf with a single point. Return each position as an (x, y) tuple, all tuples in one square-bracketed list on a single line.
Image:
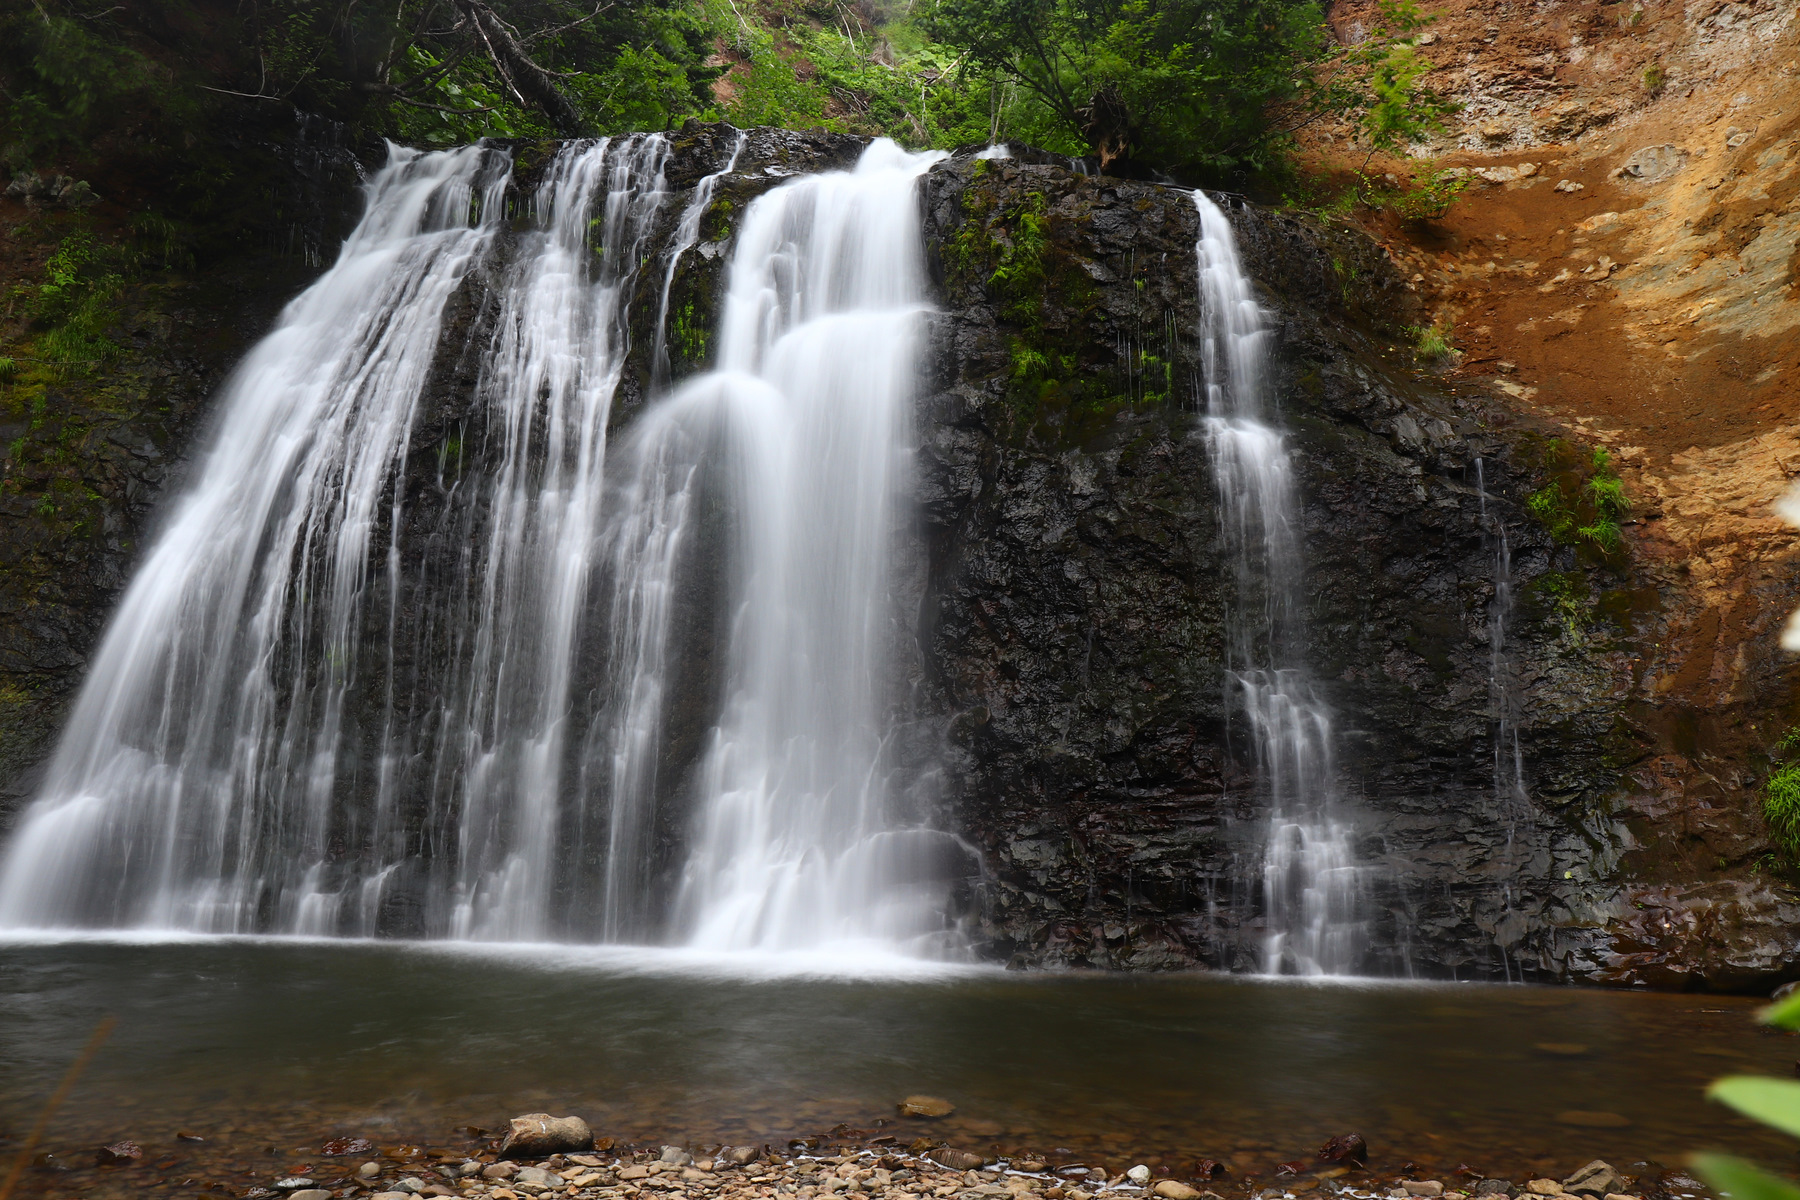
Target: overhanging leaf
[(1772, 1101), (1740, 1180), (1783, 1013)]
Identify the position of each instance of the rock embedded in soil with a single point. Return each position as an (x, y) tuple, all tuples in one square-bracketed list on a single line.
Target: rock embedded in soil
[(539, 1135)]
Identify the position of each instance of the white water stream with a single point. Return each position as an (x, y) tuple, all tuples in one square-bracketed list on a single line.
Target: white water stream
[(1311, 885), (223, 771), (803, 430), (196, 782)]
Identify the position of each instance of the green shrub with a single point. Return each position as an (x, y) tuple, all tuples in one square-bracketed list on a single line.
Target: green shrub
[(1431, 199)]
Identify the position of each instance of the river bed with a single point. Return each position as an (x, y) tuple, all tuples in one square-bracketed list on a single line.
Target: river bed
[(267, 1048)]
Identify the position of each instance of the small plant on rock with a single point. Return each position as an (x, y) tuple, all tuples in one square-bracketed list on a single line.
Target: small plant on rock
[(1781, 793), (1583, 501), (1434, 341)]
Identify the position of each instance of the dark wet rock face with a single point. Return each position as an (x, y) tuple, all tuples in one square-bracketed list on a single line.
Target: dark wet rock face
[(1072, 616), (1064, 705)]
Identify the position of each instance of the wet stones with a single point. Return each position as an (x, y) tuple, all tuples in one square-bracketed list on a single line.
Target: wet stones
[(925, 1106), (539, 1135), (1597, 1179), (956, 1160), (1496, 1187), (1345, 1148), (1430, 1189), (1174, 1189), (119, 1152)]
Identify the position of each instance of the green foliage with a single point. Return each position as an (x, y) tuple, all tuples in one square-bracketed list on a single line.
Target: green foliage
[(1655, 78), (1774, 1102), (1781, 794), (73, 308), (1185, 85), (64, 81), (1583, 501), (1567, 595), (1433, 341), (1431, 199)]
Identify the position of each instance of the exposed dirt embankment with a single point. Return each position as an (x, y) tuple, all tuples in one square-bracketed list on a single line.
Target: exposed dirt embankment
[(1623, 265)]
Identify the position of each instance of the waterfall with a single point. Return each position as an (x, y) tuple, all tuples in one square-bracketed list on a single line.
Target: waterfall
[(802, 432), (1311, 887), (547, 382), (197, 782), (346, 698)]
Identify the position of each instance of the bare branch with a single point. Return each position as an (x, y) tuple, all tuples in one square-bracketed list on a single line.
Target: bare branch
[(524, 76), (552, 32)]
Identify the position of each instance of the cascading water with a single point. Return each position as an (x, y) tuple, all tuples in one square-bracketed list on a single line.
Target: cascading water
[(1311, 886), (548, 383), (326, 708), (802, 431), (198, 782)]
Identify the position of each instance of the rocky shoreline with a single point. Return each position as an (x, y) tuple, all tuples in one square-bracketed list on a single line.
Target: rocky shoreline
[(544, 1157)]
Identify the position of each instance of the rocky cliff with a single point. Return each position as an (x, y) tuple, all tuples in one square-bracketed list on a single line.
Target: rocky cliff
[(1065, 707)]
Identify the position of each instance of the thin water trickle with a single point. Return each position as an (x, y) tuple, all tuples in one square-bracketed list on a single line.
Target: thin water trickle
[(1311, 883), (1511, 797)]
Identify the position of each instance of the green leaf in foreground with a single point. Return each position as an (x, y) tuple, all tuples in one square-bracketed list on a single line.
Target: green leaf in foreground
[(1784, 1014), (1740, 1180), (1772, 1101)]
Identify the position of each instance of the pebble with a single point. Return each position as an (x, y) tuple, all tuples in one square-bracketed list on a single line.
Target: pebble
[(311, 1194), (391, 1196), (1174, 1189), (925, 1106), (1423, 1187), (1544, 1187), (369, 1170), (1139, 1174)]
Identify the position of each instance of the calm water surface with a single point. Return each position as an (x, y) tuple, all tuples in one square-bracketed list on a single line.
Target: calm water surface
[(265, 1049)]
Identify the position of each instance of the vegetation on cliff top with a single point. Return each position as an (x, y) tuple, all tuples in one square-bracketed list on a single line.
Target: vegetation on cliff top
[(1193, 88)]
